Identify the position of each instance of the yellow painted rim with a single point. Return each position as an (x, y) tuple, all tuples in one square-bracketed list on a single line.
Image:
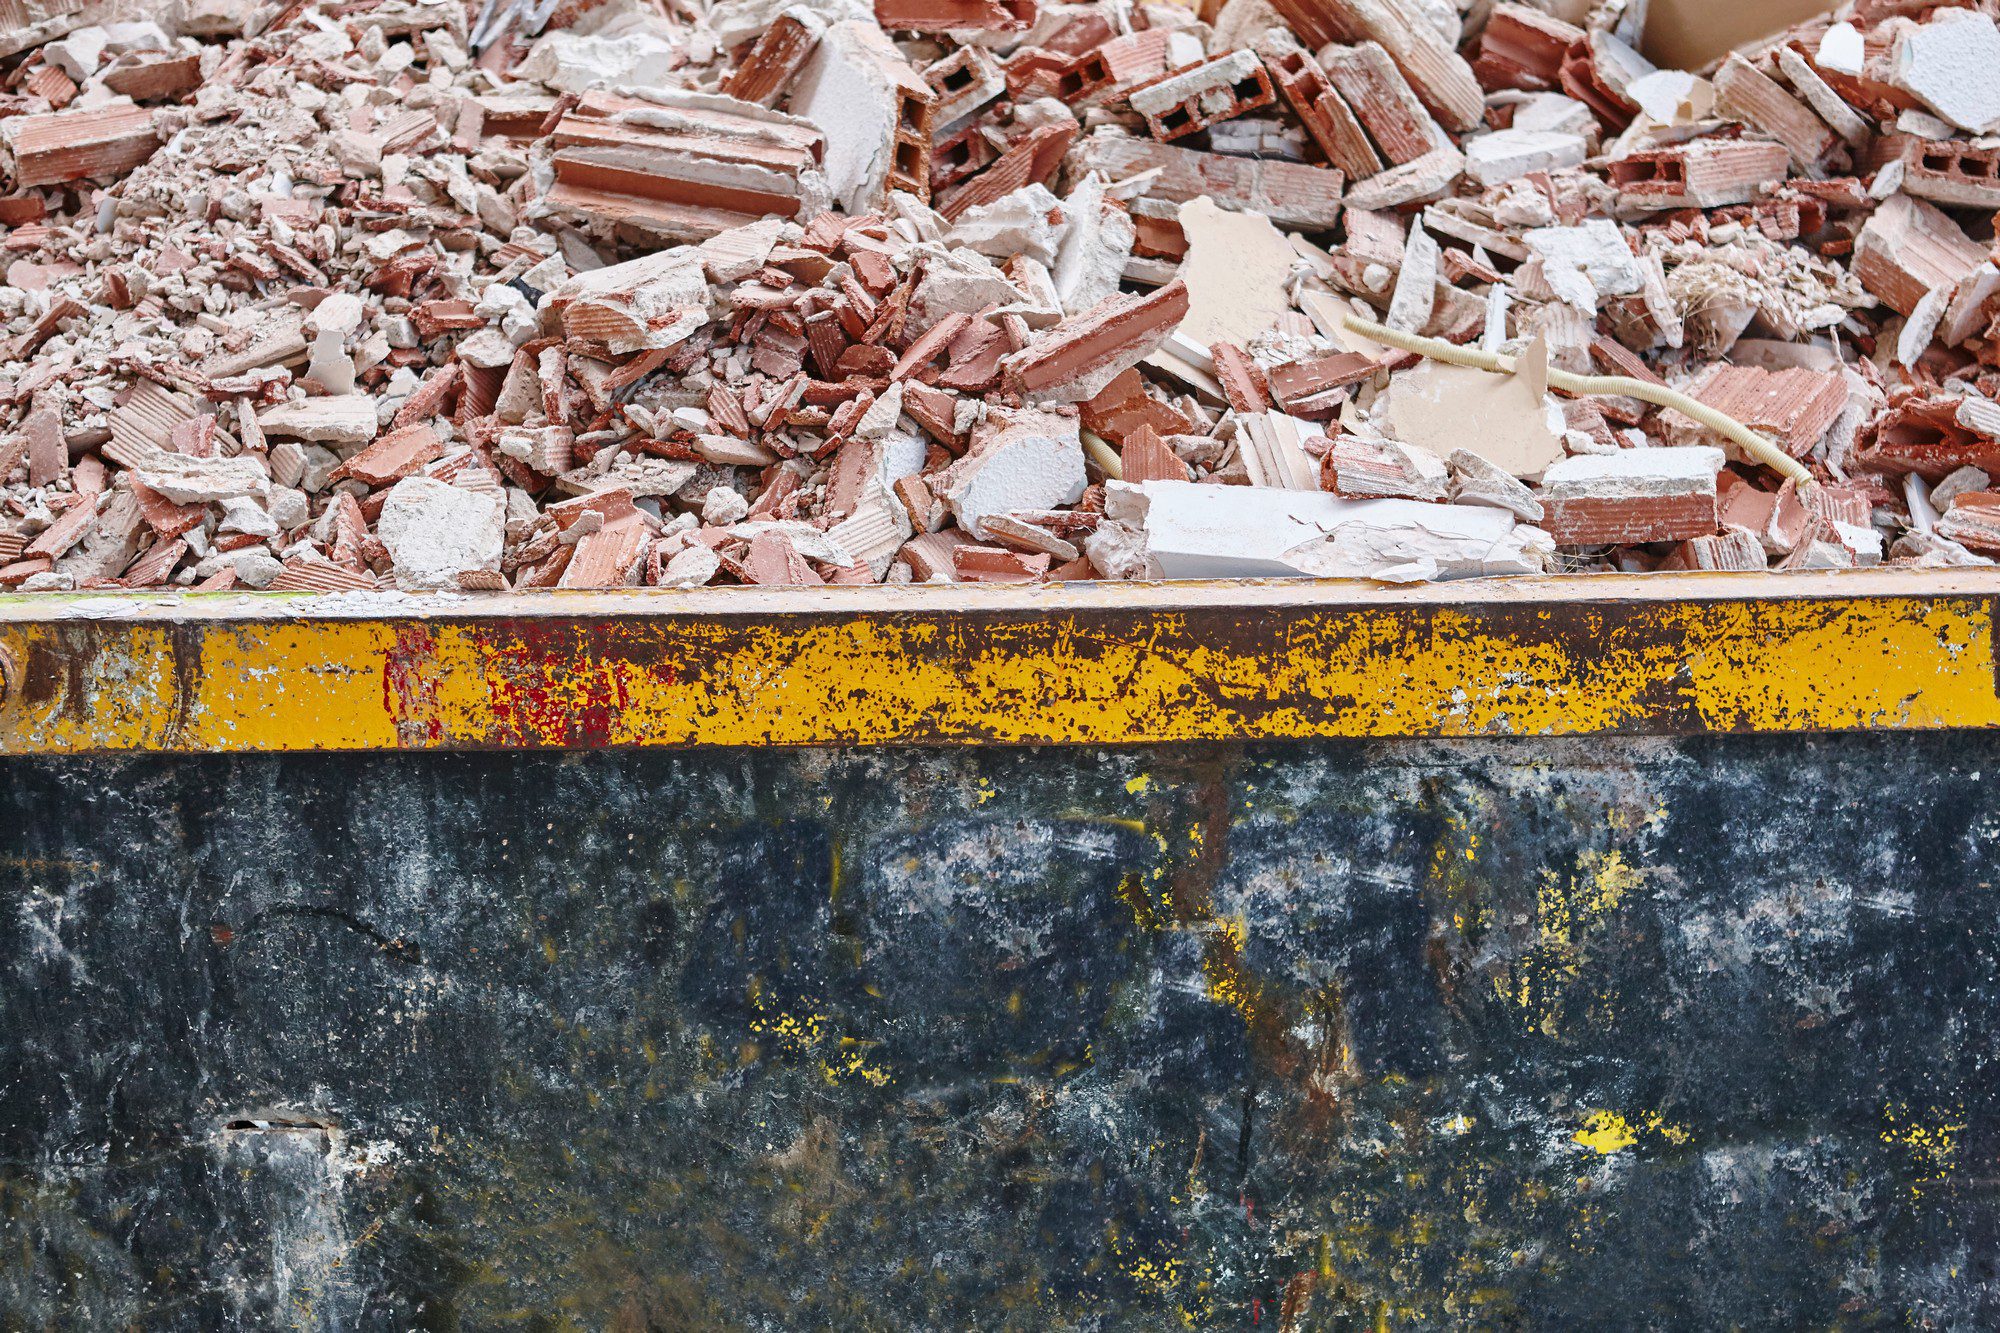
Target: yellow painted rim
[(1101, 664)]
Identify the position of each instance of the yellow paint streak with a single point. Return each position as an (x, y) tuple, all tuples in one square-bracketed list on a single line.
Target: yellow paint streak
[(1145, 675), (1930, 1140), (1568, 910), (1229, 982), (1607, 1132)]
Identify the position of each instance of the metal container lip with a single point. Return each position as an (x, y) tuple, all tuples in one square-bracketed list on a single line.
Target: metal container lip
[(1576, 590)]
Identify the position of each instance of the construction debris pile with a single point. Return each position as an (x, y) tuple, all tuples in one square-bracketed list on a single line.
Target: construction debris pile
[(429, 294)]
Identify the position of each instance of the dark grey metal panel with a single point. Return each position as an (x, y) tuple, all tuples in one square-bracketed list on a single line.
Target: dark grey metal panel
[(1607, 1034)]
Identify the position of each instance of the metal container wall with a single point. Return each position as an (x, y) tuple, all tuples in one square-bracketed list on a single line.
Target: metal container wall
[(1581, 1029)]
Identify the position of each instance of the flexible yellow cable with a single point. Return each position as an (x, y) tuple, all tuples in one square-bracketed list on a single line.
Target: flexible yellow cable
[(1754, 444), (1102, 454)]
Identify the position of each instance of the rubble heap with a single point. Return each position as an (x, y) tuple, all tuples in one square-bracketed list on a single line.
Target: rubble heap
[(422, 294)]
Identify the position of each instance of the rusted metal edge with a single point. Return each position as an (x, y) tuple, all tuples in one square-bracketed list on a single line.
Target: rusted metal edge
[(1063, 664)]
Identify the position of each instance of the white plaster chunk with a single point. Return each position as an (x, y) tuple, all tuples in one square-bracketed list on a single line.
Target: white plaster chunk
[(1554, 112), (691, 567), (1197, 531), (1030, 222), (347, 419), (330, 366), (1952, 65), (183, 479), (340, 312), (1038, 305), (246, 515), (638, 57), (1585, 262), (1679, 470), (1670, 96), (1841, 49), (736, 22), (1020, 460), (1096, 246), (844, 92), (1476, 480), (735, 254), (1208, 85), (1415, 293), (435, 532), (1961, 481), (255, 567), (956, 281), (1922, 324), (1504, 155)]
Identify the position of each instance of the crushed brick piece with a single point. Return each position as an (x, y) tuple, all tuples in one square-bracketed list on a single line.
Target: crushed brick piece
[(1523, 48), (1118, 329), (1325, 113), (392, 457), (775, 61), (995, 564), (1146, 457), (1188, 101), (1704, 174), (1795, 406), (75, 145), (1635, 495), (1908, 249), (1369, 82), (1124, 406)]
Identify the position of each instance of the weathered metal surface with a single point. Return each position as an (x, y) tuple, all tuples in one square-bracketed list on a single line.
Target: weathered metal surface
[(1069, 664), (1615, 1033)]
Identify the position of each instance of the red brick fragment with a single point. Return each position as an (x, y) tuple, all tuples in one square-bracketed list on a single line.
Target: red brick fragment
[(1312, 388), (48, 453), (1698, 175), (1147, 457), (435, 317), (1795, 406), (950, 15), (1523, 48), (392, 457), (768, 70), (1031, 159), (996, 564), (1324, 112), (1243, 383), (1383, 101), (1189, 100), (1077, 347), (1123, 406)]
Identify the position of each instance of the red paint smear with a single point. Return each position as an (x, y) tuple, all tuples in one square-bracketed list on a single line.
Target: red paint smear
[(547, 683), (404, 696), (563, 684)]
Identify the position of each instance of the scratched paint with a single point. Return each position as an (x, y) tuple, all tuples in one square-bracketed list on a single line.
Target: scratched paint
[(1005, 1038), (1107, 675)]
